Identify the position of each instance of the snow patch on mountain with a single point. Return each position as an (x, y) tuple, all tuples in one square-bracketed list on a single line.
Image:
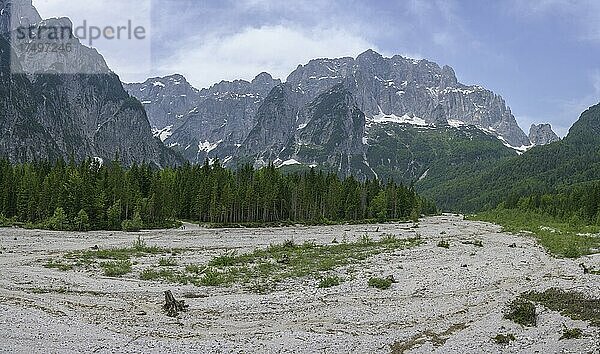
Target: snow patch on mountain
[(454, 123), (392, 118), (163, 134), (290, 162), (207, 146)]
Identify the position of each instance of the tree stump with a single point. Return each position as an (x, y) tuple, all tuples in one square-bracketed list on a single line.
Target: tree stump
[(172, 306), (586, 270)]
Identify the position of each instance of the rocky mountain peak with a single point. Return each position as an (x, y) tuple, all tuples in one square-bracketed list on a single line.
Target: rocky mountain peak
[(369, 56), (449, 76), (56, 111), (400, 86), (17, 13), (263, 78), (166, 99), (542, 134)]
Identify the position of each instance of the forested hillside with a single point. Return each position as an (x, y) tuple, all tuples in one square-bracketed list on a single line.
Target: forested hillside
[(93, 196), (548, 169)]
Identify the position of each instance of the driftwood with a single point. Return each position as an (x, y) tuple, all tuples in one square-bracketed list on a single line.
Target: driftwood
[(172, 306), (586, 270)]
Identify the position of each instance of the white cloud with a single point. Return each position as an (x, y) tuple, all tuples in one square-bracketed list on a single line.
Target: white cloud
[(124, 56), (583, 16), (275, 49), (569, 110)]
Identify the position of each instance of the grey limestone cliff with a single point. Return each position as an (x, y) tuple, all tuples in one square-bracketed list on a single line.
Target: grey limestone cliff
[(542, 134)]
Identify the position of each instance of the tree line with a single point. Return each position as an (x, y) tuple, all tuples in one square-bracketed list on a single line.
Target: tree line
[(95, 196), (578, 204)]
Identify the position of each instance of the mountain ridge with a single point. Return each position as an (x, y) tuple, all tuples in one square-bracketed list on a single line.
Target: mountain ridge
[(227, 119), (67, 113)]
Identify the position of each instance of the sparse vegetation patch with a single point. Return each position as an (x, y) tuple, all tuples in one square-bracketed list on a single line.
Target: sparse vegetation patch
[(330, 281), (264, 268), (571, 333), (380, 283), (522, 312), (504, 339), (575, 305)]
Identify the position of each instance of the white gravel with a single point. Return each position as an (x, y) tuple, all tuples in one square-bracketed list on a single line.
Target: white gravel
[(445, 301)]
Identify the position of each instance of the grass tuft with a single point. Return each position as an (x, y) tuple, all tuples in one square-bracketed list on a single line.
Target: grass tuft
[(572, 304), (521, 312), (380, 283), (167, 262), (213, 277), (328, 282), (571, 333), (504, 339), (116, 268), (58, 264), (476, 243)]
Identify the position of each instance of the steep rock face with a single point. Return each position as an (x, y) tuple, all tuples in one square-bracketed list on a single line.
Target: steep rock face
[(400, 86), (222, 119), (17, 13), (277, 119), (542, 134), (333, 135), (328, 132), (167, 101), (23, 138), (78, 59), (48, 115)]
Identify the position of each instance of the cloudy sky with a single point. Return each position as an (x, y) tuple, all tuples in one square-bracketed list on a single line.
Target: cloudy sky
[(540, 55)]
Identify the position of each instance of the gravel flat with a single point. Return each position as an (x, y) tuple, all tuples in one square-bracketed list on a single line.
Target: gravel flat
[(444, 301)]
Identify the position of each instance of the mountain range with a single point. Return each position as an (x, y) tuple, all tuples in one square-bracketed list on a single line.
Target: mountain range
[(371, 116), (368, 116)]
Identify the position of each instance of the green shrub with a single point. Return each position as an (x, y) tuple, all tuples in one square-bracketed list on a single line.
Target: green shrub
[(380, 283), (116, 268), (522, 312), (571, 333), (82, 222), (328, 282), (133, 225), (504, 338), (59, 220), (167, 262)]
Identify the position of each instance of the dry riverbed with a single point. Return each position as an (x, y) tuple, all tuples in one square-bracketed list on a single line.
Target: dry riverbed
[(446, 300)]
